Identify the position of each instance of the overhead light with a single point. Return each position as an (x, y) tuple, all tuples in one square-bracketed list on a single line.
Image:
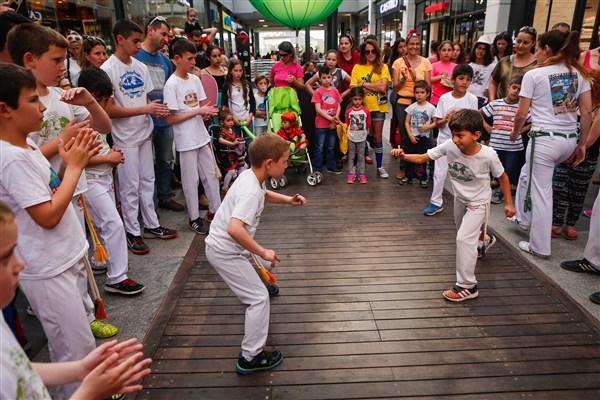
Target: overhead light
[(265, 26), (320, 24), (261, 20)]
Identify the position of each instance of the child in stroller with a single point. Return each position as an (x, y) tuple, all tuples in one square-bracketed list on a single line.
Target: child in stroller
[(292, 134), (231, 149)]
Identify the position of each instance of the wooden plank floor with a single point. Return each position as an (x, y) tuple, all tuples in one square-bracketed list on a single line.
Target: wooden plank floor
[(360, 314)]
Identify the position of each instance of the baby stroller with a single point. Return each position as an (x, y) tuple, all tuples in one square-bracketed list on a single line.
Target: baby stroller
[(227, 158), (281, 100)]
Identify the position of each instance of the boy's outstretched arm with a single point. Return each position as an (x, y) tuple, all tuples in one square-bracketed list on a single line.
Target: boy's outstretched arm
[(273, 197), (509, 209), (237, 230), (413, 158)]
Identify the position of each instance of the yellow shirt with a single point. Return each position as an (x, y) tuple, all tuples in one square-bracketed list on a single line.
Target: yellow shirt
[(364, 73), (407, 91)]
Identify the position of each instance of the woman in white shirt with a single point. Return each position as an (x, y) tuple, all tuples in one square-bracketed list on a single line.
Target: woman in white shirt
[(553, 93), (482, 62)]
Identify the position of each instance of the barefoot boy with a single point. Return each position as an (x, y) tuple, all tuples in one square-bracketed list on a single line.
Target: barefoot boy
[(232, 237), (470, 165)]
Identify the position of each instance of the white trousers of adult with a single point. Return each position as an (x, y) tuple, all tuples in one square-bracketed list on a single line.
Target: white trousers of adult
[(439, 177), (198, 165), (100, 201), (549, 151), (468, 220), (238, 273), (57, 305), (592, 248), (136, 185)]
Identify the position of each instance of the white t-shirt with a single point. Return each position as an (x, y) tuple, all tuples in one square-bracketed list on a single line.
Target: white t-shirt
[(18, 379), (27, 180), (74, 70), (183, 95), (449, 103), (470, 175), (419, 116), (100, 169), (58, 114), (553, 93), (481, 78), (245, 201), (261, 105), (236, 102), (131, 85)]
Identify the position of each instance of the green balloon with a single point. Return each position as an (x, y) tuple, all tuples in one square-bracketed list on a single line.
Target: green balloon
[(296, 13)]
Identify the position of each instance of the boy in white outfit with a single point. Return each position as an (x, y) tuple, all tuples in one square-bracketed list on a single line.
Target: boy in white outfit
[(470, 164), (130, 111), (51, 241), (448, 104), (187, 102), (232, 237)]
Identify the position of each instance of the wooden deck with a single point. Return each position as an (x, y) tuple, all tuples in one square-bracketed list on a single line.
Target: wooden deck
[(360, 314)]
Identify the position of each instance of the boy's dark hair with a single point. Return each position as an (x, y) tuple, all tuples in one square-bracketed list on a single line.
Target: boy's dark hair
[(267, 146), (156, 23), (34, 39), (9, 19), (516, 79), (14, 78), (196, 33), (125, 27), (324, 70), (96, 81), (422, 84), (223, 113), (357, 91), (183, 46), (466, 120), (260, 77), (462, 69)]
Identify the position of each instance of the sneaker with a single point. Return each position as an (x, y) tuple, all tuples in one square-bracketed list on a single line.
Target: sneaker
[(525, 247), (263, 361), (432, 209), (203, 202), (272, 288), (160, 232), (580, 266), (587, 213), (210, 216), (335, 170), (127, 287), (199, 226), (136, 244), (404, 181), (99, 270), (30, 311), (497, 198), (491, 241), (362, 178), (103, 330), (595, 297), (518, 223), (351, 178), (368, 160), (382, 173), (458, 293), (423, 184), (171, 205)]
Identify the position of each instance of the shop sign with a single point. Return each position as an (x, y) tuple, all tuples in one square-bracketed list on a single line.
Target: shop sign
[(227, 22), (436, 7), (390, 5), (242, 45)]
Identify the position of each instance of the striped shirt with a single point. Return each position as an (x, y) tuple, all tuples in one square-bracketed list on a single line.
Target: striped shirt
[(503, 115)]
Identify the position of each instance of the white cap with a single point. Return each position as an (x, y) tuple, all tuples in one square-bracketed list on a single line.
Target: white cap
[(485, 39)]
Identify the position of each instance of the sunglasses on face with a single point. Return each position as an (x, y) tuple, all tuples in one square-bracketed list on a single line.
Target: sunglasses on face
[(283, 54), (371, 51)]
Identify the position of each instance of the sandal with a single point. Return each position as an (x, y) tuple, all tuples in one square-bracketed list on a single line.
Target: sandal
[(556, 233), (570, 233)]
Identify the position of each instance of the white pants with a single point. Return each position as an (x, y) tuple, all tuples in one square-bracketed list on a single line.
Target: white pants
[(198, 164), (57, 305), (88, 304), (100, 201), (548, 153), (242, 279), (468, 220), (439, 177), (136, 185), (592, 248)]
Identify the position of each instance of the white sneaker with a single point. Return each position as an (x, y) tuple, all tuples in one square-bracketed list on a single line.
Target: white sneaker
[(518, 223), (525, 247), (382, 173)]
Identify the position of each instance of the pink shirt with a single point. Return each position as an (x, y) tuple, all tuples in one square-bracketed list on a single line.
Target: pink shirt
[(330, 102), (279, 73), (437, 89)]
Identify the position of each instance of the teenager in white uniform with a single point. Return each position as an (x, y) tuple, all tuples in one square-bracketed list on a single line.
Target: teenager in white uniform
[(130, 111), (553, 93), (185, 96)]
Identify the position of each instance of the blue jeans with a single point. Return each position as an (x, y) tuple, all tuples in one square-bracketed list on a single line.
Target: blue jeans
[(325, 138), (162, 139), (512, 161)]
